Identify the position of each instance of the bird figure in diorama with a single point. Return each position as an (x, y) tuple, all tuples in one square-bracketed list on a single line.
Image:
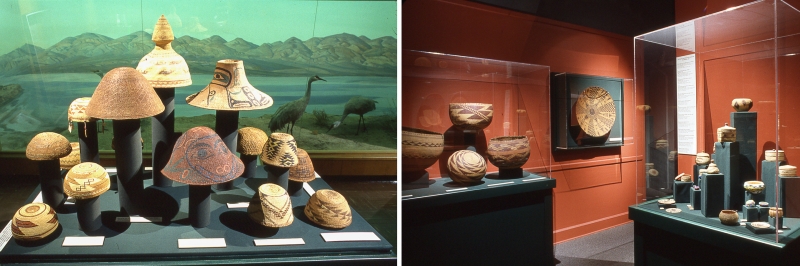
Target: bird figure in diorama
[(290, 112), (357, 105)]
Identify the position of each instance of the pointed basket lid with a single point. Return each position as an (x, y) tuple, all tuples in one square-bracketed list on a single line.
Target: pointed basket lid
[(251, 140), (86, 180), (201, 158), (280, 150), (276, 206), (124, 93), (230, 90), (164, 67), (48, 146), (304, 170), (328, 208)]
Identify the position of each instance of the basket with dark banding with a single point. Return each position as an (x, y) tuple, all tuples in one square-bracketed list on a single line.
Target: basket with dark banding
[(475, 116), (420, 148), (509, 152)]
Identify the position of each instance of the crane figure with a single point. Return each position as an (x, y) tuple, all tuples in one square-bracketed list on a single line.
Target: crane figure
[(290, 112), (357, 105)]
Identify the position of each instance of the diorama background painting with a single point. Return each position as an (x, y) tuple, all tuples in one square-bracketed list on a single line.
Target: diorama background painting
[(56, 51)]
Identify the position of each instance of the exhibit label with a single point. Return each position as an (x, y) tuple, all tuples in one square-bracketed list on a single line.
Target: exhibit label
[(686, 105)]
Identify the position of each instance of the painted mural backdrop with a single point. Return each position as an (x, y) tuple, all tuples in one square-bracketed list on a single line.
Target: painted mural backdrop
[(59, 50)]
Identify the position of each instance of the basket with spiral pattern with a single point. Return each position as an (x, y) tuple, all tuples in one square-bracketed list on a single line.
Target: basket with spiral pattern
[(509, 152), (466, 166), (33, 222)]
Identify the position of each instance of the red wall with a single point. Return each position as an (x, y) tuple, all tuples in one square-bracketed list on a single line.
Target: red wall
[(594, 186)]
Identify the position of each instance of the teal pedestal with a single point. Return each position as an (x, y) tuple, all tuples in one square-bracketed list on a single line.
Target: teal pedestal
[(728, 163)]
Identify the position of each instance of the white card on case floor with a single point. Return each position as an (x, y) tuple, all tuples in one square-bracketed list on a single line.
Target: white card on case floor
[(279, 242), (202, 243), (350, 236), (83, 241), (308, 189), (238, 205), (138, 219)]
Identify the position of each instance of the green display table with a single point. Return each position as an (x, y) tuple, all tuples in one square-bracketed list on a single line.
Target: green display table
[(496, 222), (688, 238), (157, 242)]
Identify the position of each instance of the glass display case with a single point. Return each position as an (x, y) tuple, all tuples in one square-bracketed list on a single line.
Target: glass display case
[(260, 58), (512, 100), (53, 57), (475, 136), (721, 87)]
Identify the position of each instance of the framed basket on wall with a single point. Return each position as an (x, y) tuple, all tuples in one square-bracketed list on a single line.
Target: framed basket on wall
[(587, 111)]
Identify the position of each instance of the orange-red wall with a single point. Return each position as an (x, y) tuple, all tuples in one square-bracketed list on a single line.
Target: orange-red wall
[(594, 186)]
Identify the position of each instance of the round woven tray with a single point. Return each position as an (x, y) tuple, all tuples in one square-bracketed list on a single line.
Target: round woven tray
[(595, 111)]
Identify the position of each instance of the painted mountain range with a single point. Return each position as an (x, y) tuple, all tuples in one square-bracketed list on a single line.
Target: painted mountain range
[(336, 55)]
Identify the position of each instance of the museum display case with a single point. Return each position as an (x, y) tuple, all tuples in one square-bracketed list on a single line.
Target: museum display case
[(718, 95), (476, 156), (171, 84)]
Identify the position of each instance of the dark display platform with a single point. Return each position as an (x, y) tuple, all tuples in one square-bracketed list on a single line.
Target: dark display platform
[(662, 238), (493, 222), (158, 242)]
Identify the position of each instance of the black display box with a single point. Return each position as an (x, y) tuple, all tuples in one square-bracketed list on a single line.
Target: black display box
[(566, 132)]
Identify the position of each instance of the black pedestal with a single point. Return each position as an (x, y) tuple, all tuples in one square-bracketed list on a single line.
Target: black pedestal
[(789, 197), (763, 213), (712, 192), (87, 137), (163, 125), (510, 173), (295, 187), (697, 173), (746, 124), (769, 175), (728, 163), (89, 214), (695, 199), (227, 124), (250, 165), (755, 197), (278, 175), (681, 191), (199, 205), (750, 213), (127, 136), (51, 183)]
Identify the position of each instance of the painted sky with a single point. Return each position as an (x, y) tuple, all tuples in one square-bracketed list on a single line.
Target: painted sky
[(45, 22)]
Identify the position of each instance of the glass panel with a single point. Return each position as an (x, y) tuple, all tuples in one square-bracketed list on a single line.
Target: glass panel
[(518, 93), (56, 51), (688, 77)]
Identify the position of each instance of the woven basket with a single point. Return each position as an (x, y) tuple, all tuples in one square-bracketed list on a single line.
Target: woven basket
[(420, 148), (328, 208), (276, 206), (280, 150), (251, 141), (124, 93), (77, 112), (34, 221), (73, 158), (47, 146), (595, 111), (230, 90), (164, 67), (466, 166), (201, 158), (86, 180), (304, 170), (509, 152), (471, 115)]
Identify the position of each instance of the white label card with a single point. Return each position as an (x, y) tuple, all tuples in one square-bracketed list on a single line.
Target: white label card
[(455, 189), (308, 189), (202, 243), (500, 184), (238, 205), (83, 241), (686, 105), (138, 219), (350, 236), (279, 242)]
